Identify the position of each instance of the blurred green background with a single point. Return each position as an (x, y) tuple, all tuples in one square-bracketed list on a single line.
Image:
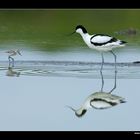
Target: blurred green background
[(48, 29)]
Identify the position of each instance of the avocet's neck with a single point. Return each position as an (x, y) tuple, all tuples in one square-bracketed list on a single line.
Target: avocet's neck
[(80, 112), (84, 34), (84, 107), (86, 37)]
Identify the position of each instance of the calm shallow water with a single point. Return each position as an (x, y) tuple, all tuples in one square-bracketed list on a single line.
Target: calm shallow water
[(55, 71)]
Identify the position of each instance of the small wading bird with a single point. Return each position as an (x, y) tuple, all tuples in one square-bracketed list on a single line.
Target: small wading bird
[(100, 42), (12, 53), (98, 100)]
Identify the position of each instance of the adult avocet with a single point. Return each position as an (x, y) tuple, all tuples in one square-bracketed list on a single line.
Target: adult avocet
[(100, 42)]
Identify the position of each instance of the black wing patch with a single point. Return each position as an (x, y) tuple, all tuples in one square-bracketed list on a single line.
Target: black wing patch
[(98, 99), (112, 39)]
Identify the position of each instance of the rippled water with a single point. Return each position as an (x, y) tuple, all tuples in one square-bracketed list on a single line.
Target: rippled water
[(77, 69)]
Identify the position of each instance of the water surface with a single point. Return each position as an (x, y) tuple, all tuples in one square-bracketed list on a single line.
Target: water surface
[(56, 70)]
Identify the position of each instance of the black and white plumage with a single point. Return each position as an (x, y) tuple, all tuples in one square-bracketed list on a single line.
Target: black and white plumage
[(98, 100), (105, 43), (101, 43)]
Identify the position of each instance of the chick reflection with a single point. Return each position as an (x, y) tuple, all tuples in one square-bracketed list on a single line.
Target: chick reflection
[(12, 73), (99, 100)]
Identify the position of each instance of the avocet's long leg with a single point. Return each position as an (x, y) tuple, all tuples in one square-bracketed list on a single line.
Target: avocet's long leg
[(115, 57), (102, 73)]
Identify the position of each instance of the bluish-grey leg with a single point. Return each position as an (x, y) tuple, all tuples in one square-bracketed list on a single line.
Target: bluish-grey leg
[(102, 73), (13, 62), (115, 57), (9, 58)]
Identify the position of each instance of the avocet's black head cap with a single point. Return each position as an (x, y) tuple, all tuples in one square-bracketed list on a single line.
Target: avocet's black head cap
[(81, 114), (82, 28)]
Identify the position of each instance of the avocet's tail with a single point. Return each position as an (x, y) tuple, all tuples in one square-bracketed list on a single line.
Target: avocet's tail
[(121, 43)]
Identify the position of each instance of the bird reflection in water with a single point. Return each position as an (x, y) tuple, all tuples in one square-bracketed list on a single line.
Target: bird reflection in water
[(12, 73), (99, 100)]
